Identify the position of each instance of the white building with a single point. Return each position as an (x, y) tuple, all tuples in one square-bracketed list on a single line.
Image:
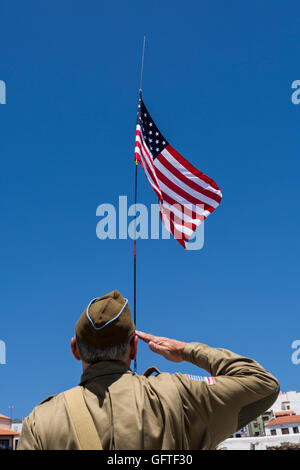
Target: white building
[(287, 401), (283, 427), (283, 424), (258, 443), (16, 425)]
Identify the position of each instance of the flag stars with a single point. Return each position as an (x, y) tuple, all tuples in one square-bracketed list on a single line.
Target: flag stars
[(150, 133)]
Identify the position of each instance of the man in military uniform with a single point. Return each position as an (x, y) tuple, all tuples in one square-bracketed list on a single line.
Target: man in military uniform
[(114, 408)]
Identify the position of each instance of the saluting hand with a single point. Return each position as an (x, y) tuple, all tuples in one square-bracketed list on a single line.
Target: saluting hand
[(171, 349)]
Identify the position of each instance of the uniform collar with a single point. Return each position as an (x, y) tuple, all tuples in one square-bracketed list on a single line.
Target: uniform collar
[(104, 368)]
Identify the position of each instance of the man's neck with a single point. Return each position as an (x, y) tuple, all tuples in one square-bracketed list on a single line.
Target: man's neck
[(85, 365)]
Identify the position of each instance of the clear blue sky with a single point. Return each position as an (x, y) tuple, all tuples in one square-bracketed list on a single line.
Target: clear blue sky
[(217, 80)]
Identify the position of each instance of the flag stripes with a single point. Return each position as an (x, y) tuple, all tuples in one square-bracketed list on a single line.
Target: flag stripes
[(186, 195)]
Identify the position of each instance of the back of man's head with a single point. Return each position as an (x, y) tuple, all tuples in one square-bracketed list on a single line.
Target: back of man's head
[(105, 329), (91, 355)]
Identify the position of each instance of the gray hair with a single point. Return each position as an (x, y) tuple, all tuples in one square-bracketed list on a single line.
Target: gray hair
[(91, 355)]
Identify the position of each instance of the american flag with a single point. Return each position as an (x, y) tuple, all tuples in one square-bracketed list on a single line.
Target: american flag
[(186, 195)]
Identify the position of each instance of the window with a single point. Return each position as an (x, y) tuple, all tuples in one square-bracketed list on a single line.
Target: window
[(273, 432), (4, 443), (285, 431), (295, 429)]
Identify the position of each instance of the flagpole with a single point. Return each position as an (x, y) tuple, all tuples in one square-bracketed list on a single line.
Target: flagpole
[(142, 67), (135, 199), (134, 255)]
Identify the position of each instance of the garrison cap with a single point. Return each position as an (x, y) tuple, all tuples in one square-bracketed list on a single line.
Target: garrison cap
[(106, 321)]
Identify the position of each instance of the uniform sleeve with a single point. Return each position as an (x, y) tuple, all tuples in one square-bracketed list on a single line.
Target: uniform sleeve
[(28, 439), (241, 390)]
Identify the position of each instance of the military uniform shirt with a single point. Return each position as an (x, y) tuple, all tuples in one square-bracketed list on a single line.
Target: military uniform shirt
[(163, 411)]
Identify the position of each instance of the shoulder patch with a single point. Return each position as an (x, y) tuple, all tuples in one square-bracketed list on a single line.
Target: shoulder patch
[(47, 399), (200, 378)]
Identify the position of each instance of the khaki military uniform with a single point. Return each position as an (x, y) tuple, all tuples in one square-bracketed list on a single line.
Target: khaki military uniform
[(163, 411)]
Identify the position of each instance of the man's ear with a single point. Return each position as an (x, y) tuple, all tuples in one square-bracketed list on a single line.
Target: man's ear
[(133, 347), (74, 349)]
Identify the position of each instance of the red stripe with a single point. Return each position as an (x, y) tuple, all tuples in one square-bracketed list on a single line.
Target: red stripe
[(180, 237), (138, 144), (150, 170), (179, 220), (144, 147), (181, 192), (141, 160), (191, 168), (153, 187), (190, 213), (206, 192)]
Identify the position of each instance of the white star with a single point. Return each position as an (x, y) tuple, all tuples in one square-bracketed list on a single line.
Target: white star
[(151, 148), (157, 150), (150, 140), (164, 142), (145, 114), (157, 141), (150, 132), (156, 133), (150, 124)]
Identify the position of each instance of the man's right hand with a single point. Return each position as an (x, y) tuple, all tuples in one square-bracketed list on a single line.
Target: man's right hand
[(171, 349)]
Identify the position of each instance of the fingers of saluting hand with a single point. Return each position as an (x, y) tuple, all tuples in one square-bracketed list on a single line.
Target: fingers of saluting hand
[(158, 348), (145, 336)]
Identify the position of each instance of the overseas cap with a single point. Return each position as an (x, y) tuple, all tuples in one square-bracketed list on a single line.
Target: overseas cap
[(106, 321)]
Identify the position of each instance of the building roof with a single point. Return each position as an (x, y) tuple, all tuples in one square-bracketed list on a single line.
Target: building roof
[(5, 417), (283, 420), (8, 432), (284, 413)]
